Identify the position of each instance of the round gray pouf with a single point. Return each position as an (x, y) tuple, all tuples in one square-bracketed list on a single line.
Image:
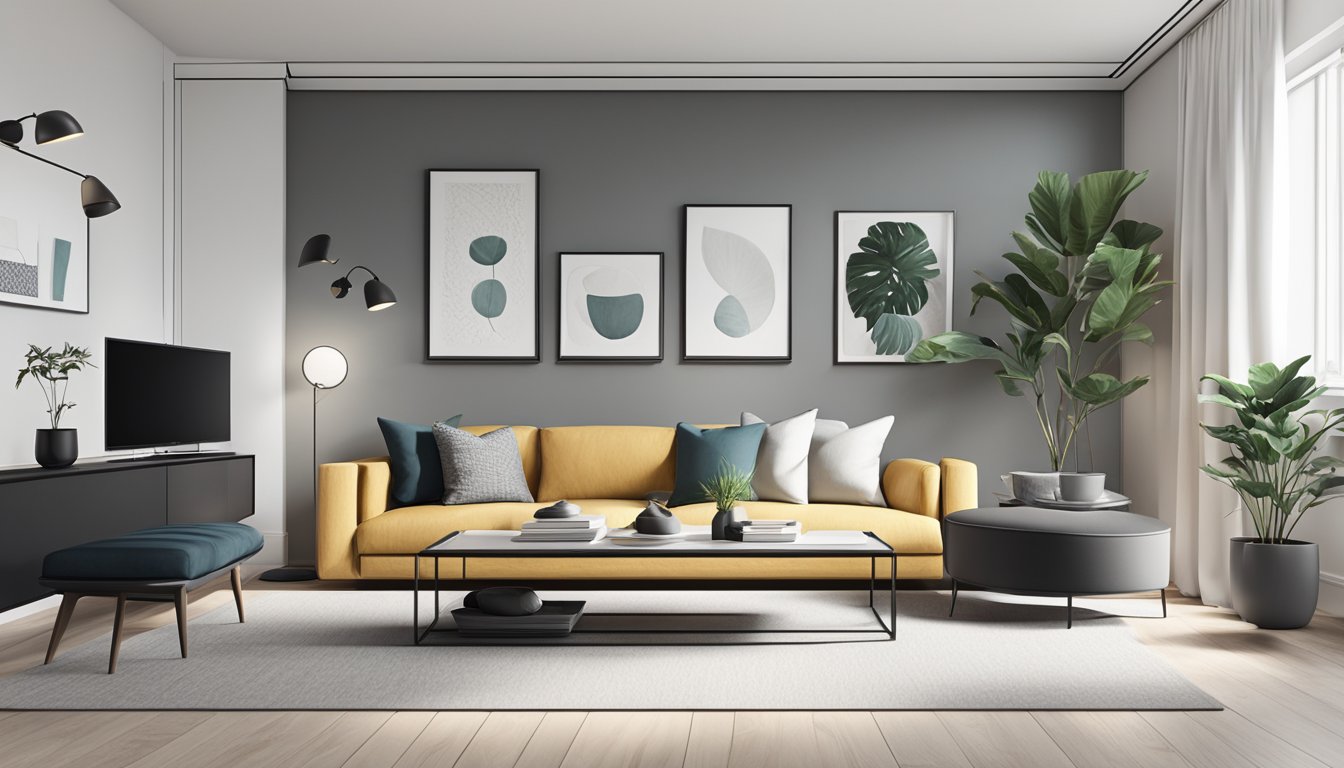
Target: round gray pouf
[(1063, 553)]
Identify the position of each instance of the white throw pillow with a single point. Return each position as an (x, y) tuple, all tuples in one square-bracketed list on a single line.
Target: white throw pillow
[(845, 465), (781, 463)]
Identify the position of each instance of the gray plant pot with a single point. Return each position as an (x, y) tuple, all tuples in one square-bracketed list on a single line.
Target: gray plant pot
[(1275, 586)]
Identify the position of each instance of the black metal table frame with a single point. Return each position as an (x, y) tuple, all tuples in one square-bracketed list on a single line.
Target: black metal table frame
[(433, 626)]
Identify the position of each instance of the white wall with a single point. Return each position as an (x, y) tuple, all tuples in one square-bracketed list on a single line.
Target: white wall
[(89, 59), (1150, 141), (231, 264)]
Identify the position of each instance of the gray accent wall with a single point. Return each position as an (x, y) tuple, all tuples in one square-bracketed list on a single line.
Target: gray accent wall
[(615, 170)]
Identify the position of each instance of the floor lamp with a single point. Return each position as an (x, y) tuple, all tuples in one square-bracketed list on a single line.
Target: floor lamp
[(324, 368)]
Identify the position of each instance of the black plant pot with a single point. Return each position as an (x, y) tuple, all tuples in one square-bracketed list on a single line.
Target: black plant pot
[(1275, 586), (56, 448)]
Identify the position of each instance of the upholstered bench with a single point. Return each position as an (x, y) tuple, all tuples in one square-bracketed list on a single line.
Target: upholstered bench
[(156, 564)]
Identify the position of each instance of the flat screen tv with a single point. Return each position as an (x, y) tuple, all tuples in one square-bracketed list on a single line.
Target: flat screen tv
[(160, 395)]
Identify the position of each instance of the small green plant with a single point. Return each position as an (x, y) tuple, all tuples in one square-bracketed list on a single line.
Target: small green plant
[(1273, 466), (51, 370), (728, 487)]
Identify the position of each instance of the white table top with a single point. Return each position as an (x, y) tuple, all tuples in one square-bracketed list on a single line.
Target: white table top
[(696, 543)]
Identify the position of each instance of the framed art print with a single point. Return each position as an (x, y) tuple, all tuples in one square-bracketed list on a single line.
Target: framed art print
[(44, 238), (481, 300), (893, 282), (736, 281), (611, 307)]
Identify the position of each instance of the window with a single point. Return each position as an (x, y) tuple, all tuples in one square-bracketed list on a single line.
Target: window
[(1316, 205)]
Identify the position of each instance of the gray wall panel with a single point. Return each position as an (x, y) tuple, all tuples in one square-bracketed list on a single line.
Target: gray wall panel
[(615, 170)]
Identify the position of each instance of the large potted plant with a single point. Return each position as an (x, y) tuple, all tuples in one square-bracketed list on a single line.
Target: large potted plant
[(1276, 472), (55, 447), (1079, 285)]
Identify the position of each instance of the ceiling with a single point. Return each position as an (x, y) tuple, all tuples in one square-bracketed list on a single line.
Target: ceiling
[(675, 44)]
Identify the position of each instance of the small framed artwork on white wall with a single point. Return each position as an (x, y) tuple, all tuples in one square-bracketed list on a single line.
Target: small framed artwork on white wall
[(44, 238), (482, 267), (893, 282), (611, 307), (736, 283)]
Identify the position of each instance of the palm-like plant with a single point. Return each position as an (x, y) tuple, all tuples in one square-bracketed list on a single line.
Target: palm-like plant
[(1274, 467), (52, 372), (728, 487), (1082, 282)]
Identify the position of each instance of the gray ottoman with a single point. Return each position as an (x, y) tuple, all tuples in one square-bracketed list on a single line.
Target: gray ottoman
[(1054, 552)]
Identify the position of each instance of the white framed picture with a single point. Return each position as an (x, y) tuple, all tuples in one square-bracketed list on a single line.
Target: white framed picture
[(44, 238), (737, 283), (481, 278), (893, 282), (611, 307)]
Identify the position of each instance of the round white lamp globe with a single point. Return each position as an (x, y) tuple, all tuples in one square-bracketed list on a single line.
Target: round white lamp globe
[(324, 367)]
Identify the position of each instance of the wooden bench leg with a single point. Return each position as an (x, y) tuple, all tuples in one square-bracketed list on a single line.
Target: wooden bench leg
[(180, 605), (236, 576), (116, 634), (67, 610)]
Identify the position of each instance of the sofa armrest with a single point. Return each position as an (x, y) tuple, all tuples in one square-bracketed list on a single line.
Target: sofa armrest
[(911, 485), (961, 485), (348, 493)]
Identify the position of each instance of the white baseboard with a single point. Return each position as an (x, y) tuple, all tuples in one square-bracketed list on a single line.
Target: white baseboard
[(273, 548), (1332, 594), (37, 606)]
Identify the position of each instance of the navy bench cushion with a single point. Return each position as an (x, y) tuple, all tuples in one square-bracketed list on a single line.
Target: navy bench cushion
[(165, 553)]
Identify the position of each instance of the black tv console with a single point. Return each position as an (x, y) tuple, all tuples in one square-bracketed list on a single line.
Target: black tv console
[(42, 510)]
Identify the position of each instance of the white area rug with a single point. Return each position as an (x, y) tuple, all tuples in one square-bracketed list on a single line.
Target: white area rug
[(354, 650)]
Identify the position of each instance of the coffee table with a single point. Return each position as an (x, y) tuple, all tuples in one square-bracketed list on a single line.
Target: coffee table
[(469, 545)]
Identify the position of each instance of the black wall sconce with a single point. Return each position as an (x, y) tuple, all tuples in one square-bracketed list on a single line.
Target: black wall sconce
[(377, 296), (48, 128)]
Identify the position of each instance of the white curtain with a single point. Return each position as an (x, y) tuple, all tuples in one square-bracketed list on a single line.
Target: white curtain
[(1232, 104)]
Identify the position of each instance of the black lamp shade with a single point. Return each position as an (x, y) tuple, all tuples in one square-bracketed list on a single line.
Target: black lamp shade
[(97, 199), (56, 125), (315, 251), (378, 296), (340, 287)]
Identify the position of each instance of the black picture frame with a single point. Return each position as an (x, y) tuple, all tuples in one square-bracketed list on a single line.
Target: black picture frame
[(837, 266), (535, 357), (787, 357), (560, 309)]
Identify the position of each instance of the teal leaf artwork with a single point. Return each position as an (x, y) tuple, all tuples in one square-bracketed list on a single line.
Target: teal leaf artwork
[(489, 298), (896, 334), (488, 250), (615, 317), (742, 270)]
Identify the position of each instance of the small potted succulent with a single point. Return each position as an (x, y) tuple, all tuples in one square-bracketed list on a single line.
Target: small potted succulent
[(50, 370), (1275, 470), (726, 489)]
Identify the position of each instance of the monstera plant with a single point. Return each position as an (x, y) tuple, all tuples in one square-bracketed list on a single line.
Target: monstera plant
[(887, 283), (1080, 283)]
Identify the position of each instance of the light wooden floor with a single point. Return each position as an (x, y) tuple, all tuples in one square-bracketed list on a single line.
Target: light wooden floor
[(1284, 693)]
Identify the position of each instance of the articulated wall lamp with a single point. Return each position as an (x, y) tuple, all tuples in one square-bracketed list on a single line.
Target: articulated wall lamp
[(377, 295), (49, 128)]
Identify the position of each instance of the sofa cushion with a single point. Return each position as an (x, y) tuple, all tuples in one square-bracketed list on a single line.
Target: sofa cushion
[(605, 462), (702, 454), (480, 468), (781, 464), (845, 466), (417, 477), (411, 529), (528, 450), (165, 553)]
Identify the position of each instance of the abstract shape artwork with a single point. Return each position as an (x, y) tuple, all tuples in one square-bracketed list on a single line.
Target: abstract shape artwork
[(611, 307), (736, 282), (893, 282), (482, 266), (44, 241)]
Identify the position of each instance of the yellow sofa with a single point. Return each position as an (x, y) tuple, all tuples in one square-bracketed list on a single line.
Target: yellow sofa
[(608, 470)]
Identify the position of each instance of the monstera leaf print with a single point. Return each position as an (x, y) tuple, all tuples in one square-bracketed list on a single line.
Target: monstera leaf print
[(887, 283)]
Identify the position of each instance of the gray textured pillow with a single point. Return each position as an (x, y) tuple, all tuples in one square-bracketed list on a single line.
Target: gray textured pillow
[(781, 464), (479, 470)]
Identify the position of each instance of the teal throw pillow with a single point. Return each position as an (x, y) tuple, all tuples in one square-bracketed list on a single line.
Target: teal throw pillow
[(701, 454), (414, 456)]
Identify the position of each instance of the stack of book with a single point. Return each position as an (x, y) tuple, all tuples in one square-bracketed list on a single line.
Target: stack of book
[(582, 528), (767, 530)]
